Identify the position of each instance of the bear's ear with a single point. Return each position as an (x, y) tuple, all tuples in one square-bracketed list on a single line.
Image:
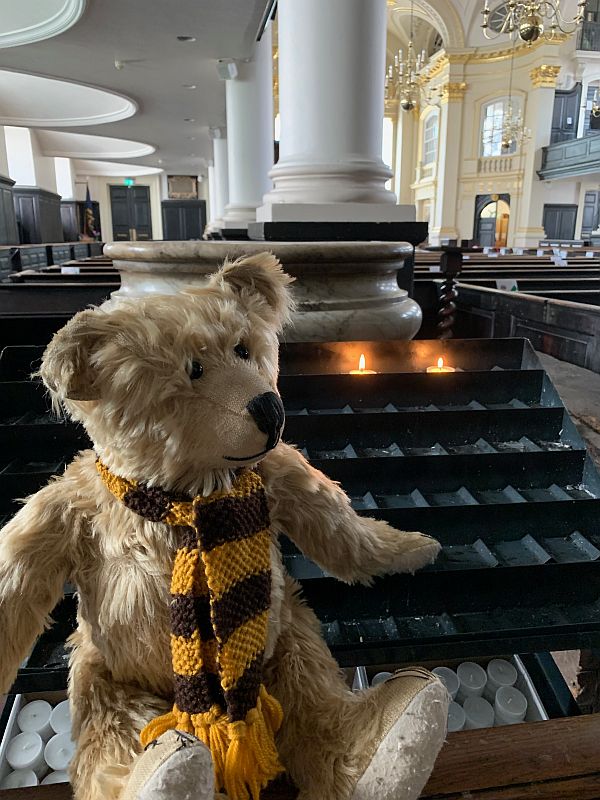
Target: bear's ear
[(66, 365), (260, 275)]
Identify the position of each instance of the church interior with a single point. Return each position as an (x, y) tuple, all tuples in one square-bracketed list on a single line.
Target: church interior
[(300, 400)]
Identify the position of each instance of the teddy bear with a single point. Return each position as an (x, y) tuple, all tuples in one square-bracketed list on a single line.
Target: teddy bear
[(196, 669)]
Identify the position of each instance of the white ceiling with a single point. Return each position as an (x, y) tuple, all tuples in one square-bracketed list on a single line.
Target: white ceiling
[(82, 145), (142, 35)]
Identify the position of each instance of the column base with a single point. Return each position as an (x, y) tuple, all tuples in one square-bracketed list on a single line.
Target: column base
[(238, 216), (413, 232), (528, 237), (335, 212), (350, 179)]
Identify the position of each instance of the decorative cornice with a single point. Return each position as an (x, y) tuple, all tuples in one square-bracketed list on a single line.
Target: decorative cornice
[(67, 15), (544, 77), (453, 91), (476, 56)]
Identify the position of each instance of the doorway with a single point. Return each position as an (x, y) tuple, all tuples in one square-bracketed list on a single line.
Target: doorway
[(559, 221), (492, 215), (131, 216)]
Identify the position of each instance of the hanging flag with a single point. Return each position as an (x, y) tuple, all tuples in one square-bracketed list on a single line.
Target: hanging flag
[(89, 223)]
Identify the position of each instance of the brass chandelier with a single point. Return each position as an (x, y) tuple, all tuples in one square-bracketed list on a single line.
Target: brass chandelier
[(514, 131), (405, 79), (530, 19)]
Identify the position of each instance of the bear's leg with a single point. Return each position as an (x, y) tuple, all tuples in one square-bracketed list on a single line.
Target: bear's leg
[(380, 744), (107, 719)]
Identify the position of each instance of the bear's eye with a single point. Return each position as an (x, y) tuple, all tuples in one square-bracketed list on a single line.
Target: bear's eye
[(241, 351), (195, 370)]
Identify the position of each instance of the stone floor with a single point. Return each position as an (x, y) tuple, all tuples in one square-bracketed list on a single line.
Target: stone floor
[(580, 391)]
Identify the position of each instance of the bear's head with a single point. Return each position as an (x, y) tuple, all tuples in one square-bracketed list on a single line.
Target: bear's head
[(178, 390)]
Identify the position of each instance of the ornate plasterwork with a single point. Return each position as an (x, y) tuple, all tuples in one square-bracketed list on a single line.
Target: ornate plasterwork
[(62, 18), (544, 77), (453, 91), (486, 56)]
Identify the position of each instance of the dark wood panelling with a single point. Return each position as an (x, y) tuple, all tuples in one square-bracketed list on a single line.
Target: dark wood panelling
[(72, 213), (559, 221), (9, 233), (38, 215), (183, 219)]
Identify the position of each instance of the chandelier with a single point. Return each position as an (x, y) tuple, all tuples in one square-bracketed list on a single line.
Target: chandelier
[(529, 19), (595, 109), (514, 131), (404, 79)]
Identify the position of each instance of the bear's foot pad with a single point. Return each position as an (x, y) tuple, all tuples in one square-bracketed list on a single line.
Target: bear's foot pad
[(176, 766), (414, 708)]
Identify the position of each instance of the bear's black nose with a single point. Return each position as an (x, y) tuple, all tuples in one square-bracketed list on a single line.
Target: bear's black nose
[(267, 411)]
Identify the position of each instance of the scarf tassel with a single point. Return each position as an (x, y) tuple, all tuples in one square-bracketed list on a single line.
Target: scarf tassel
[(244, 754)]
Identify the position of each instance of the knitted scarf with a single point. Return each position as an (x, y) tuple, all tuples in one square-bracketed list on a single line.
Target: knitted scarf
[(220, 600)]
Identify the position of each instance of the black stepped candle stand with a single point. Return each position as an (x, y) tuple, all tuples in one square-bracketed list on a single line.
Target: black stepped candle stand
[(485, 458)]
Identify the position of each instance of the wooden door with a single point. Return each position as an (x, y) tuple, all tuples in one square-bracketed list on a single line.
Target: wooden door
[(590, 219), (559, 221), (131, 213), (565, 114)]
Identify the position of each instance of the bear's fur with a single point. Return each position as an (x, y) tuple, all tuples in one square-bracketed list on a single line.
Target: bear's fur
[(124, 373)]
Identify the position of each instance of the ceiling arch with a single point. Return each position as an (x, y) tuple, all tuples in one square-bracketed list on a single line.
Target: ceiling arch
[(28, 21), (441, 14), (37, 101), (86, 146)]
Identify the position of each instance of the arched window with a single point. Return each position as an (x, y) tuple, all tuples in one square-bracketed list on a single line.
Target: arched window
[(491, 128), (430, 137)]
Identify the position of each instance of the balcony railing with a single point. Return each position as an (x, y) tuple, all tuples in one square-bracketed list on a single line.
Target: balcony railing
[(588, 36), (495, 164), (571, 159)]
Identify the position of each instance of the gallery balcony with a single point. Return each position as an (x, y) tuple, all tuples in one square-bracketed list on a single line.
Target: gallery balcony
[(588, 36), (571, 159)]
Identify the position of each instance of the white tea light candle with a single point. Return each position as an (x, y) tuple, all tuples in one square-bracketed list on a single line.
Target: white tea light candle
[(499, 673), (19, 779), (60, 719), (449, 678), (478, 713), (34, 717), (456, 718), (472, 679), (510, 706), (381, 677), (59, 751), (26, 751), (55, 777)]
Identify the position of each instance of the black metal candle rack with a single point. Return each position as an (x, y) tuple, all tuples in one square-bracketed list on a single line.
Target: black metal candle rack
[(484, 458)]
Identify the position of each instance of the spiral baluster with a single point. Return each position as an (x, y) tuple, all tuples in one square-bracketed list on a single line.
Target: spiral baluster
[(450, 265)]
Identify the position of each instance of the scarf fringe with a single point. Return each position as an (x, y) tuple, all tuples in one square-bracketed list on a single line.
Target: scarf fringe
[(244, 754)]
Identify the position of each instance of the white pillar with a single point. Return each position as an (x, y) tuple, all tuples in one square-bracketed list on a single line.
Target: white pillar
[(331, 102), (534, 194), (249, 99), (221, 176), (210, 215)]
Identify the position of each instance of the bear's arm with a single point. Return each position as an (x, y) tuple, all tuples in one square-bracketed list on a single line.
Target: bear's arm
[(34, 565), (317, 516)]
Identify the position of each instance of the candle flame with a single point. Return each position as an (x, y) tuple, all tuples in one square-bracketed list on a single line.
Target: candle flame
[(362, 362), (440, 363)]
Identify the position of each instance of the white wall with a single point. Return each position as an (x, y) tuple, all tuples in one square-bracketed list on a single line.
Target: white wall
[(3, 154), (100, 191), (45, 172), (20, 155), (65, 179)]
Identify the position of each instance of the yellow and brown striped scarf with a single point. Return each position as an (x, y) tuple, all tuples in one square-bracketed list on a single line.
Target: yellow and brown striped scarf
[(220, 600)]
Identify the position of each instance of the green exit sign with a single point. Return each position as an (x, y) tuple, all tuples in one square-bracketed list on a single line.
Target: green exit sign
[(129, 181)]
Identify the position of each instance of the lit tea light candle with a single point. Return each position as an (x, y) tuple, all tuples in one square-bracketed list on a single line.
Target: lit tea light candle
[(441, 367), (362, 363)]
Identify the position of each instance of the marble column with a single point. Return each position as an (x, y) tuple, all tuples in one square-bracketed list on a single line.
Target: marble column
[(220, 176), (534, 192), (331, 103), (444, 217), (249, 99)]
